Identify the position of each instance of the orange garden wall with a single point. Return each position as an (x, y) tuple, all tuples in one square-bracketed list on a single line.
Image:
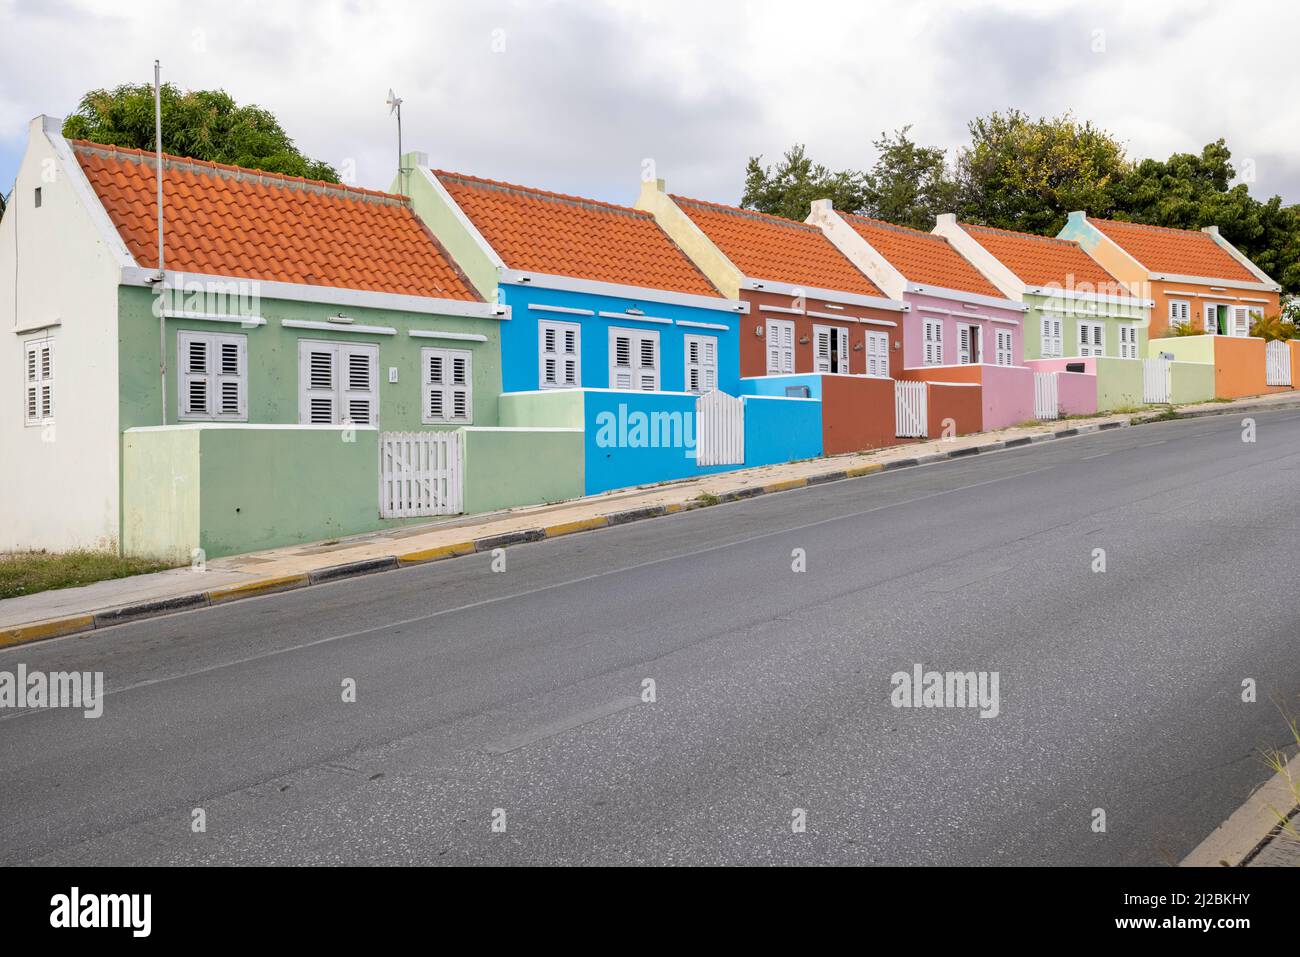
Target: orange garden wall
[(857, 413), (1239, 367), (963, 404)]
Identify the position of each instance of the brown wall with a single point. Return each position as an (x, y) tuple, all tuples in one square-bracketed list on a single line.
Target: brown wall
[(1160, 293), (857, 413), (753, 348), (963, 404)]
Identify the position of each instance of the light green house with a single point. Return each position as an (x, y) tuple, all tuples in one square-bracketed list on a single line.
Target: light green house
[(1079, 314)]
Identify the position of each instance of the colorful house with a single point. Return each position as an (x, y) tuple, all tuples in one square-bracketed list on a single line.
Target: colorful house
[(960, 328), (611, 325), (1196, 280), (817, 322), (235, 400), (1079, 315)]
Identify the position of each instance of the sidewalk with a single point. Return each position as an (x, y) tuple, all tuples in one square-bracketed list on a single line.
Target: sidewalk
[(73, 610)]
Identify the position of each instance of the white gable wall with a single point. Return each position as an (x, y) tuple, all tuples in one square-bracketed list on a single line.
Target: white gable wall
[(59, 263)]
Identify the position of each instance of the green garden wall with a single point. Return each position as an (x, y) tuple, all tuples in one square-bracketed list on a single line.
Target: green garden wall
[(508, 467)]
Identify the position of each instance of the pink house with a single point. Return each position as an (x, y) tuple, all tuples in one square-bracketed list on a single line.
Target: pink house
[(958, 326)]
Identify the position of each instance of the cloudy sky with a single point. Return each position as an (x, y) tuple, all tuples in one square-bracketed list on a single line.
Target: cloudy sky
[(576, 96)]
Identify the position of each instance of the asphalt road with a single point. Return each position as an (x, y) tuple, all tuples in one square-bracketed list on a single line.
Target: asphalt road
[(521, 690)]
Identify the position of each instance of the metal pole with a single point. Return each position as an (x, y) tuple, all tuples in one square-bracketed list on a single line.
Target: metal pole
[(162, 270)]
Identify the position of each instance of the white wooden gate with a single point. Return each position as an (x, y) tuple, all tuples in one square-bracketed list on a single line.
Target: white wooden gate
[(1155, 380), (911, 414), (1047, 403), (1278, 355), (420, 474), (719, 429)]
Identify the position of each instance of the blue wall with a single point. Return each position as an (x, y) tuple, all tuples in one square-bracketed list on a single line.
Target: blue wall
[(519, 336), (781, 430), (776, 384)]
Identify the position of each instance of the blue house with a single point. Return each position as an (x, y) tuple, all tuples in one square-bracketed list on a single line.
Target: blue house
[(609, 328)]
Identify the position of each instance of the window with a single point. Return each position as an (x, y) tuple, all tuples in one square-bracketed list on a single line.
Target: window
[(338, 383), (633, 359), (701, 364), (1212, 326), (38, 400), (933, 342), (1051, 344), (213, 378), (1128, 341), (830, 349), (1242, 318), (448, 389), (878, 354), (780, 346), (1092, 338), (968, 344), (37, 198), (1005, 355), (559, 355), (1180, 313)]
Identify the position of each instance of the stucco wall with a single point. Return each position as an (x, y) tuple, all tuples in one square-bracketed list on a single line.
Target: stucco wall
[(509, 467), (1119, 381), (857, 413), (960, 404), (753, 347), (1071, 312), (1239, 364), (1076, 393), (1007, 394), (914, 332)]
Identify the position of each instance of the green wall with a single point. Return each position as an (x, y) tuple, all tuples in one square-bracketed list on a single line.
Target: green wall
[(1191, 382), (509, 467), (1184, 348), (1119, 383), (1068, 311), (160, 507), (273, 360), (560, 408)]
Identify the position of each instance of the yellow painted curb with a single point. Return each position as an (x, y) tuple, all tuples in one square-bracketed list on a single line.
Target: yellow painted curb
[(863, 470), (787, 484), (568, 528), (249, 589), (676, 507), (21, 634), (433, 554)]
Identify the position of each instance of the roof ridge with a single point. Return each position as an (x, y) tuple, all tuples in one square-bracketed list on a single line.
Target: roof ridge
[(172, 161), (744, 213), (899, 228), (584, 201), (1015, 232), (1163, 229)]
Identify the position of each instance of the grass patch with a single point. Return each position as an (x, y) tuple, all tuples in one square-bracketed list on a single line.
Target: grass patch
[(707, 498), (25, 573)]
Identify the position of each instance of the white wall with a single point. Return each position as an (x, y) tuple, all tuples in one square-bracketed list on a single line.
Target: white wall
[(61, 262)]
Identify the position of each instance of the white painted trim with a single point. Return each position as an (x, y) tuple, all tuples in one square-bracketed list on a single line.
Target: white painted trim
[(973, 251), (218, 317), (1180, 292), (517, 428), (967, 315), (832, 316), (1227, 283), (877, 322), (703, 325), (1054, 292), (818, 292), (784, 309), (516, 277), (465, 223), (37, 327), (1220, 297), (1062, 314), (585, 388), (438, 334), (336, 327), (943, 292), (566, 310), (51, 127), (1005, 322), (625, 317), (332, 295), (296, 426), (1253, 299), (1242, 258)]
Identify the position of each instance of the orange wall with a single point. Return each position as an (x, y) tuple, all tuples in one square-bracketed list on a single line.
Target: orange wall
[(1239, 367), (1160, 292), (961, 403), (753, 347), (856, 414)]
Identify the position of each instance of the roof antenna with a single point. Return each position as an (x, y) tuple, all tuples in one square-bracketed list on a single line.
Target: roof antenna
[(162, 271), (395, 107)]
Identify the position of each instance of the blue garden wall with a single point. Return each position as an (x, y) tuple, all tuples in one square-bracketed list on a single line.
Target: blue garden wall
[(775, 385)]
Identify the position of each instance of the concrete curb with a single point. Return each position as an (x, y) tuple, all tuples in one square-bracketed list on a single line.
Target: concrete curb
[(77, 624), (1249, 828)]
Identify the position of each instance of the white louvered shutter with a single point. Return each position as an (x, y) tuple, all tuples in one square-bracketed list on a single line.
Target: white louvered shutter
[(318, 381), (701, 364), (821, 349), (38, 385), (780, 346), (559, 363), (360, 384), (447, 386)]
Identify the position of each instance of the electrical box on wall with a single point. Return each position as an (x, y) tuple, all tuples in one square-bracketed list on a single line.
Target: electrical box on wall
[(392, 373)]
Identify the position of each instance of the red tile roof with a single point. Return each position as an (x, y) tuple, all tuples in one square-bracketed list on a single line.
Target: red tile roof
[(533, 230), (923, 258), (1042, 260), (229, 221), (777, 249), (1178, 252)]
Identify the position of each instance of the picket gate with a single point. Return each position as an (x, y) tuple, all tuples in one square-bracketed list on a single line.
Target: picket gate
[(1278, 360), (719, 429), (1047, 403), (420, 473), (1155, 380), (911, 414)]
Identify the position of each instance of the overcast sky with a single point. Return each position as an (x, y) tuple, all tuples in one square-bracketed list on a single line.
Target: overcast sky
[(575, 96)]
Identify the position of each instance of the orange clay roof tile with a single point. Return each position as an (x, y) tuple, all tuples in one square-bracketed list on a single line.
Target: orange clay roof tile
[(923, 258), (777, 249), (533, 230), (1179, 252), (1042, 260), (230, 221)]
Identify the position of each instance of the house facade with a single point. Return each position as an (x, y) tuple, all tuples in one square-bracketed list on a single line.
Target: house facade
[(610, 322), (1077, 310), (296, 317)]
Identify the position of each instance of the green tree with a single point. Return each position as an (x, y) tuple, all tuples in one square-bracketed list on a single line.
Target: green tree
[(789, 188), (909, 184), (202, 124), (1019, 173)]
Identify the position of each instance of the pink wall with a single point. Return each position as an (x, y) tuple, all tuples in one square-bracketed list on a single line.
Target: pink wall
[(1008, 396), (1058, 365), (913, 330), (1076, 393)]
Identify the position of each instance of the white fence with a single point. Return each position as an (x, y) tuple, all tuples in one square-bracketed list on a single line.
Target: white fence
[(1047, 402), (1155, 380), (911, 414), (719, 429), (1278, 355), (420, 474)]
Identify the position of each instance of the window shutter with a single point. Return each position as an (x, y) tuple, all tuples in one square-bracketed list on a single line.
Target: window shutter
[(447, 386), (843, 364), (780, 346), (620, 376), (231, 379), (38, 385), (359, 397), (559, 363), (648, 367), (196, 378), (701, 363), (317, 373)]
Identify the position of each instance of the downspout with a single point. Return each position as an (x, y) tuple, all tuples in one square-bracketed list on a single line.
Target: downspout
[(162, 272)]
